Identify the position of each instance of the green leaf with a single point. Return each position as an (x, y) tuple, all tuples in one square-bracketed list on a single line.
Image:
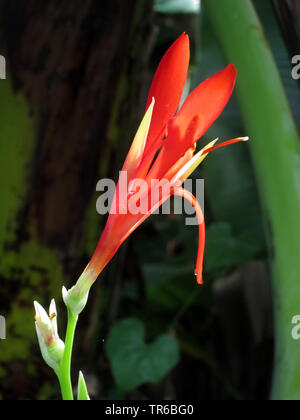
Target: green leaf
[(177, 6), (275, 149), (283, 61), (82, 389), (223, 249), (230, 184), (133, 362)]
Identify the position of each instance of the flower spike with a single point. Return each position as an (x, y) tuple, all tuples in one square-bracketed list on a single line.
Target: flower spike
[(163, 150)]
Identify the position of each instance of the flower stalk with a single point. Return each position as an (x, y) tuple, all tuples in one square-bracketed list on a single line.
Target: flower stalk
[(64, 372)]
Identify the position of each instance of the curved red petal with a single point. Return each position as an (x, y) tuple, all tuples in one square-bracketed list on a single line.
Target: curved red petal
[(168, 84), (226, 143), (207, 101), (181, 192)]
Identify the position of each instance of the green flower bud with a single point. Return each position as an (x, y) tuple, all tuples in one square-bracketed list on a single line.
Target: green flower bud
[(52, 347)]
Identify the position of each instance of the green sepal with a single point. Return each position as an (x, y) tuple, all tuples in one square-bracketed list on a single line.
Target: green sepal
[(82, 394)]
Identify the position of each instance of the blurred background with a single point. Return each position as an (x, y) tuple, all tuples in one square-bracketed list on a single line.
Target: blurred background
[(77, 75)]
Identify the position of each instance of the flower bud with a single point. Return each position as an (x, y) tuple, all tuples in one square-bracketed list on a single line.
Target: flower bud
[(52, 347), (76, 298)]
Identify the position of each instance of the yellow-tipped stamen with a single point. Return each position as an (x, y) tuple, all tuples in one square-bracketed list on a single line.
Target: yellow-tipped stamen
[(227, 143), (190, 166)]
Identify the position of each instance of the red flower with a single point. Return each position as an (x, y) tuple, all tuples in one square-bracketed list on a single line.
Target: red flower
[(163, 149)]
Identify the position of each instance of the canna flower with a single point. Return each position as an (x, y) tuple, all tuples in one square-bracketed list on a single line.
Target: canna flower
[(163, 150), (52, 347)]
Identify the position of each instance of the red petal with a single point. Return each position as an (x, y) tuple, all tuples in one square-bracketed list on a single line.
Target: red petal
[(168, 84), (199, 111), (181, 192), (175, 147), (117, 229), (226, 143), (207, 101)]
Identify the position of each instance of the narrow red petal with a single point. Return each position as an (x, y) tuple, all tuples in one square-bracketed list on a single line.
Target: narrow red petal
[(168, 84), (198, 112), (117, 229), (207, 101), (174, 148), (181, 192), (226, 143)]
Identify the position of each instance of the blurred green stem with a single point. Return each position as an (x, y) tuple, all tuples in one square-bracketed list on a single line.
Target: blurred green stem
[(275, 150), (64, 375)]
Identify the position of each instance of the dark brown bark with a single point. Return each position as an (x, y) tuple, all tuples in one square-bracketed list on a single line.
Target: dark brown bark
[(288, 15), (68, 58), (80, 66)]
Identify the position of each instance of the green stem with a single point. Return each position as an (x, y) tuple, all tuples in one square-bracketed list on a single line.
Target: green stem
[(274, 144), (64, 375)]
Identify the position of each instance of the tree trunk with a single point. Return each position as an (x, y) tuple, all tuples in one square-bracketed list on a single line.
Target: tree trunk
[(69, 108)]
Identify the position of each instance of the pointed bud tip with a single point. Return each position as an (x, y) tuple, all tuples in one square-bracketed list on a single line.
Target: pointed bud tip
[(52, 307), (64, 292), (39, 310)]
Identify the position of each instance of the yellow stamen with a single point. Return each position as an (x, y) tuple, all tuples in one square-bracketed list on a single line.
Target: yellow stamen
[(190, 166)]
